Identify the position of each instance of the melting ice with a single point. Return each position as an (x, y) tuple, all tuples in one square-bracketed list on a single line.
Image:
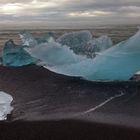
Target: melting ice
[(5, 105), (66, 55)]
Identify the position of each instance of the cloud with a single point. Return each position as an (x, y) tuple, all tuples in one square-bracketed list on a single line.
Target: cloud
[(65, 11)]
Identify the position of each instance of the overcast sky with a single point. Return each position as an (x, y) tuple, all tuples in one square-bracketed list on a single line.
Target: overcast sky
[(70, 12)]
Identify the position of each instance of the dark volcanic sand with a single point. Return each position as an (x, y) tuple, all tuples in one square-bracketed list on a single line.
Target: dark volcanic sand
[(50, 105)]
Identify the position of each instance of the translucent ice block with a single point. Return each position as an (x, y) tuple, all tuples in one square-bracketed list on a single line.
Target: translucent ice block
[(15, 55), (119, 62)]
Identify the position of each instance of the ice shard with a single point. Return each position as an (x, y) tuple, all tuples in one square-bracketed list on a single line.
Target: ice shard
[(5, 105), (15, 55), (119, 62)]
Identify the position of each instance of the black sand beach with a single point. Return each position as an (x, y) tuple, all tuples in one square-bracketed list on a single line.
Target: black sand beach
[(51, 106)]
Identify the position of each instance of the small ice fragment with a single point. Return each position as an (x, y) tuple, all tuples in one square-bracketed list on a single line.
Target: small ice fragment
[(5, 105)]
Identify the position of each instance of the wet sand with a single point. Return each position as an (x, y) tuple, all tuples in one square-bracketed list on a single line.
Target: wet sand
[(51, 106)]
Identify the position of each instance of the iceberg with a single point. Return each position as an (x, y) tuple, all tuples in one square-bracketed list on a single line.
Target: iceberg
[(120, 62), (15, 55), (5, 105)]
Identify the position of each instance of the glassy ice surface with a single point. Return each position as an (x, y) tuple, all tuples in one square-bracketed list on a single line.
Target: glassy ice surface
[(119, 62), (5, 105), (14, 55)]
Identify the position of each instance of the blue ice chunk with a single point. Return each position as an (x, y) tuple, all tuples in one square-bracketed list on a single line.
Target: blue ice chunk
[(119, 62), (15, 55)]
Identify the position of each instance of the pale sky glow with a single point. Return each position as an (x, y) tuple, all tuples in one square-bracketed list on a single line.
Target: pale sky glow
[(10, 8), (63, 12), (89, 14), (20, 8)]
